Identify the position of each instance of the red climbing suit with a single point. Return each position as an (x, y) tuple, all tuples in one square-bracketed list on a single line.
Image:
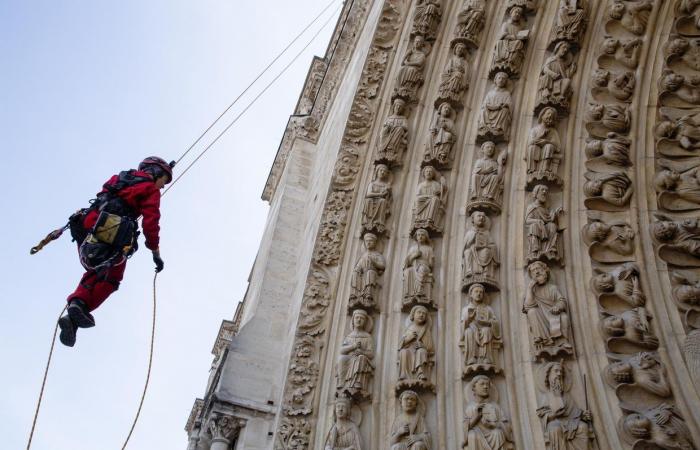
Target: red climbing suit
[(143, 199)]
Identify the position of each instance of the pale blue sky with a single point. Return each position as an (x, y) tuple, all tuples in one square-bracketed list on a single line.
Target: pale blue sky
[(88, 89)]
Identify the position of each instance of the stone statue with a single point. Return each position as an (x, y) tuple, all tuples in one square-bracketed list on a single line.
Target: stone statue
[(427, 18), (418, 271), (479, 255), (632, 16), (344, 434), (486, 190), (554, 85), (679, 239), (416, 351), (355, 368), (455, 78), (622, 283), (678, 191), (409, 431), (303, 374), (679, 90), (620, 85), (685, 291), (685, 51), (603, 119), (613, 151), (394, 137), (643, 370), (547, 314), (481, 334), (364, 283), (566, 426), (625, 51), (431, 197), (607, 191), (485, 425), (543, 228), (410, 77), (661, 425), (377, 207), (470, 21), (609, 242), (684, 132), (632, 326), (510, 47), (496, 111), (571, 21), (442, 137), (544, 148)]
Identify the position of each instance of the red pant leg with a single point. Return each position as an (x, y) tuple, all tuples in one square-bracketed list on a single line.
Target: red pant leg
[(94, 290)]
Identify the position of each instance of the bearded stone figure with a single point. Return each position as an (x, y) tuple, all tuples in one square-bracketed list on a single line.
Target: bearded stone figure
[(416, 351), (377, 206), (544, 148), (442, 137), (429, 205), (554, 85), (481, 334), (345, 433), (543, 228), (394, 137), (418, 271), (566, 426), (470, 21), (455, 79), (410, 76), (355, 368), (547, 314), (496, 111), (369, 268), (486, 188), (485, 425), (510, 47), (480, 255), (409, 431), (571, 20)]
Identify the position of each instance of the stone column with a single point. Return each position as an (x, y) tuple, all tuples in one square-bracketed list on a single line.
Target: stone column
[(224, 430), (193, 438)]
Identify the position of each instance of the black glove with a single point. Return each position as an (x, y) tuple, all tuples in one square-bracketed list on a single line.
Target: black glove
[(158, 260)]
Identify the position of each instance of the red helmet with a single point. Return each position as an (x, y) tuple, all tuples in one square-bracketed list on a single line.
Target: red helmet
[(160, 164)]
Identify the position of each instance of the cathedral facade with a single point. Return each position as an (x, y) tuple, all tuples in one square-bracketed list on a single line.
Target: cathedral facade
[(484, 234)]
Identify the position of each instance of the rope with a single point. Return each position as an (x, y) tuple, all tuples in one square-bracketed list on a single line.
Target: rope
[(43, 382), (150, 365)]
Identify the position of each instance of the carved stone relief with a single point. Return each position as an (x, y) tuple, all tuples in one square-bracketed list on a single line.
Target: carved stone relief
[(418, 272), (621, 53), (607, 191), (571, 21), (554, 85), (454, 78), (426, 18), (394, 137), (544, 151), (486, 427), (662, 426), (438, 152), (496, 111), (416, 352), (480, 258), (609, 241), (486, 188), (355, 367), (679, 240), (411, 77), (629, 331), (510, 47), (430, 200), (543, 228), (302, 377), (601, 120), (470, 22), (618, 289), (409, 430), (611, 152), (368, 270), (345, 432), (481, 334), (632, 16), (640, 378), (332, 230)]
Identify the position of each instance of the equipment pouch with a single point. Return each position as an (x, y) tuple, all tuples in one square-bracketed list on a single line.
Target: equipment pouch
[(115, 230), (75, 223)]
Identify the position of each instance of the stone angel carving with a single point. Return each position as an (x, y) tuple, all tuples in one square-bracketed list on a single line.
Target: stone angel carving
[(544, 151), (470, 21), (679, 240), (416, 351), (355, 367), (543, 228), (442, 137), (368, 270), (481, 334), (409, 430), (609, 242), (510, 47), (394, 135), (554, 84), (486, 189), (377, 207), (678, 185), (496, 111), (661, 426), (547, 314), (345, 432), (410, 77), (571, 21), (454, 78), (480, 255), (633, 16), (429, 204), (607, 191), (486, 427), (622, 53), (418, 272)]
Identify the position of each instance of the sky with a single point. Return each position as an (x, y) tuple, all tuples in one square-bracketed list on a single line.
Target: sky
[(89, 88)]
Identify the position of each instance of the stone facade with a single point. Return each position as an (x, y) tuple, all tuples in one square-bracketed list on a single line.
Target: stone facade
[(484, 233)]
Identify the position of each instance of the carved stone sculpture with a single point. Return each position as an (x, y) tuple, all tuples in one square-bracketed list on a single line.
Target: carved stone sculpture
[(631, 326), (455, 78), (571, 21), (470, 21), (612, 151), (544, 150), (691, 352), (481, 334), (678, 191), (679, 137), (410, 77), (554, 85), (442, 138), (486, 190), (543, 229), (377, 206), (622, 284), (364, 283), (684, 52), (426, 18), (619, 85), (662, 425), (431, 197), (485, 425), (394, 137), (609, 242), (685, 291), (603, 119), (418, 272), (510, 48), (303, 375), (607, 191), (547, 314), (632, 16), (355, 368), (480, 255), (678, 90), (496, 111), (409, 430), (566, 425), (679, 239), (416, 351), (224, 430), (643, 370), (345, 433), (624, 52)]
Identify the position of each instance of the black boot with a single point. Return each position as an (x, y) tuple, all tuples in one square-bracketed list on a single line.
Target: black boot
[(68, 331), (79, 314)]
